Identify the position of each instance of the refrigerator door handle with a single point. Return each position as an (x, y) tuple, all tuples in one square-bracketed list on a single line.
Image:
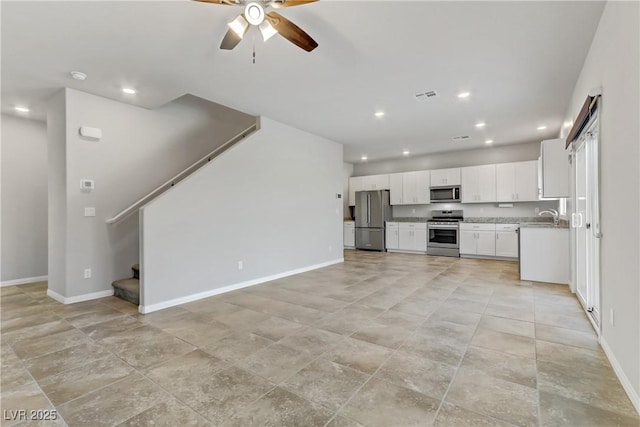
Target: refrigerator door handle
[(368, 208)]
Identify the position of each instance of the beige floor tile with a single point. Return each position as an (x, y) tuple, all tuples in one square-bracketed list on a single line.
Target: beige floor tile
[(237, 346), (576, 338), (275, 328), (100, 315), (416, 373), (327, 383), (506, 325), (561, 411), (145, 346), (78, 381), (379, 403), (169, 413), (27, 397), (312, 341), (511, 312), (280, 407), (19, 323), (520, 370), (276, 363), (113, 404), (382, 334), (106, 329), (360, 355), (454, 416), (349, 319), (571, 356), (34, 347), (440, 349), (342, 421), (69, 358), (516, 345), (479, 392)]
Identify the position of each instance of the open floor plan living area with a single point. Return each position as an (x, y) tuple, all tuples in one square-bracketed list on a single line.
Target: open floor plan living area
[(320, 213)]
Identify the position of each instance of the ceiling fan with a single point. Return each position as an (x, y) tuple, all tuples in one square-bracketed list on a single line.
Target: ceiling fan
[(270, 23)]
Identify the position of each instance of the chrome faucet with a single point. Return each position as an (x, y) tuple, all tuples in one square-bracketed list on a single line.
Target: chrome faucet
[(553, 213)]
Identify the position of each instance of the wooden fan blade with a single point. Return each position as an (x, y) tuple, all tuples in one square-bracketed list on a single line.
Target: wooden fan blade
[(223, 2), (230, 40), (291, 31), (278, 4)]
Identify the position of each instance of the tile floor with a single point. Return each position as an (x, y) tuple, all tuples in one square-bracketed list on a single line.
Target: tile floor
[(381, 340)]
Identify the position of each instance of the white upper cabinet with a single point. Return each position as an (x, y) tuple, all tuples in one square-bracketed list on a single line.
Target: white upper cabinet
[(409, 188), (375, 182), (442, 177), (396, 187), (479, 184), (555, 169), (355, 184), (517, 182)]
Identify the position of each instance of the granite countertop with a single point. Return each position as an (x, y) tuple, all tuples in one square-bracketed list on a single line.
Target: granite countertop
[(529, 222), (410, 219)]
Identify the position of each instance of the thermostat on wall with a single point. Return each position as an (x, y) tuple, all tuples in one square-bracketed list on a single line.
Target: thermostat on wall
[(87, 184), (91, 133)]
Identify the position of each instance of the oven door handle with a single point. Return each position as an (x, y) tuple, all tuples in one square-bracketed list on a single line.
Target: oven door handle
[(442, 227)]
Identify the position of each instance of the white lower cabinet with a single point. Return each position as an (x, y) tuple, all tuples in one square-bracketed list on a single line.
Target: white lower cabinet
[(391, 236), (492, 240), (411, 237), (507, 240), (349, 230)]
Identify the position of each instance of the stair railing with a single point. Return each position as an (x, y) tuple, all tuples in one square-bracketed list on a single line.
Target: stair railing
[(182, 175)]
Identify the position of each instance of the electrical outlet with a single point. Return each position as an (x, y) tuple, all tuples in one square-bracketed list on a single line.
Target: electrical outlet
[(240, 265), (613, 318), (89, 211), (87, 273)]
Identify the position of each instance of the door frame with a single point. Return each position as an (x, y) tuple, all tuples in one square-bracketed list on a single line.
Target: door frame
[(590, 138)]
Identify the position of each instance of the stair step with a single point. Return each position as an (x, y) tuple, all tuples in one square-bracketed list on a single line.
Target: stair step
[(127, 289)]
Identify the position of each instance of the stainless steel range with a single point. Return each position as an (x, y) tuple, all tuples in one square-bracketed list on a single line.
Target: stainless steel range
[(443, 230)]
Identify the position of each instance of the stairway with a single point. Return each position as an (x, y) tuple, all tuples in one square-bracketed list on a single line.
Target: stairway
[(129, 289)]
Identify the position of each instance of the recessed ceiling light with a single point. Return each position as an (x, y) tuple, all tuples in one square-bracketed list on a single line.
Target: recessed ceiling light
[(363, 158), (489, 141), (480, 125), (379, 114), (129, 91), (406, 152), (543, 127), (78, 75), (568, 124), (21, 109), (464, 94)]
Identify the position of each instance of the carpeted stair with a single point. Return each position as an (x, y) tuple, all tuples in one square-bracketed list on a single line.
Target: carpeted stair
[(129, 289)]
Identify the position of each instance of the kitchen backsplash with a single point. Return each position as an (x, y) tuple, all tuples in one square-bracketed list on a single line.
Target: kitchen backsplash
[(522, 209)]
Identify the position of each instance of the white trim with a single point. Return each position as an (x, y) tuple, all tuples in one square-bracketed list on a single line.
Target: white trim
[(79, 298), (624, 380), (23, 281), (145, 309)]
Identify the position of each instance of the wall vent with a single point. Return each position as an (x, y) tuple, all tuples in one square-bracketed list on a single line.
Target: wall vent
[(422, 97), (461, 138)]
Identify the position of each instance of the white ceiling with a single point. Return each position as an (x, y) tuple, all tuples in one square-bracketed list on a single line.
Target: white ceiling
[(519, 60)]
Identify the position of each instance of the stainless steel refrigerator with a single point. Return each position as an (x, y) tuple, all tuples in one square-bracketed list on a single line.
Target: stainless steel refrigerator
[(372, 210)]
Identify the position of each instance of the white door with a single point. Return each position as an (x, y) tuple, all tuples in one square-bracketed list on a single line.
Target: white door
[(507, 244), (410, 189), (391, 234), (423, 195), (470, 189), (586, 223), (486, 183), (420, 239), (405, 238), (505, 182)]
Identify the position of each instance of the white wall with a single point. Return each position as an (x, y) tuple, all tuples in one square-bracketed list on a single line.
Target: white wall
[(140, 149), (24, 198), (482, 156), (270, 202), (613, 63)]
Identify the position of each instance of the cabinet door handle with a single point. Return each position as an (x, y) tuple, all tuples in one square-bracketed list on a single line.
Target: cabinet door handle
[(497, 236)]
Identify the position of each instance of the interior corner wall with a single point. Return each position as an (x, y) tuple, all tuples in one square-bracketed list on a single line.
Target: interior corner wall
[(269, 202), (347, 170), (57, 193), (613, 63), (24, 199), (140, 149)]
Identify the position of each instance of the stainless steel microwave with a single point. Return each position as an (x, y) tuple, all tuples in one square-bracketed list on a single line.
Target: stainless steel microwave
[(447, 194)]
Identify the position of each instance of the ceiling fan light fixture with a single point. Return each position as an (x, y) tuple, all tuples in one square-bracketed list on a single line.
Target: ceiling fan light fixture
[(254, 13), (267, 30), (239, 26)]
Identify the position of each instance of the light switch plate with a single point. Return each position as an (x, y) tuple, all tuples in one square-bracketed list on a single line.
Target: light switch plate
[(89, 211), (87, 184)]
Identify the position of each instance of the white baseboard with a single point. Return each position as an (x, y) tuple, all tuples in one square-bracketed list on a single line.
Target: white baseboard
[(145, 309), (23, 281), (624, 380), (79, 298)]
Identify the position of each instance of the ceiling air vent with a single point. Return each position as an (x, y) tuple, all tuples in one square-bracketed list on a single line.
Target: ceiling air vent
[(461, 138), (422, 97)]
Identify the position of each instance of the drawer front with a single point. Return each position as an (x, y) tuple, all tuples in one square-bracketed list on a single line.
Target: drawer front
[(413, 225), (477, 227), (392, 225), (507, 227), (349, 224)]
